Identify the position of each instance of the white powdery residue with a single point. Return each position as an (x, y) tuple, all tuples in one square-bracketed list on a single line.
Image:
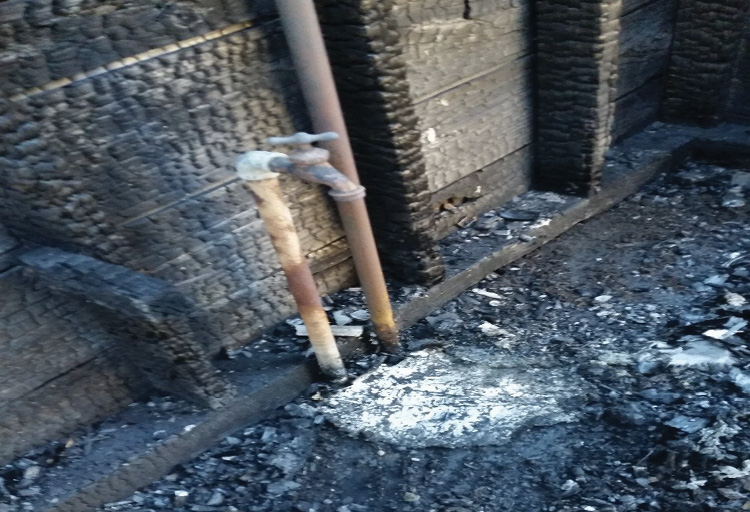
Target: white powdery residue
[(435, 400), (616, 358), (511, 387), (491, 329), (429, 136), (717, 334), (500, 412), (552, 197), (735, 299), (732, 472), (700, 353), (485, 293), (691, 485), (541, 223), (504, 387)]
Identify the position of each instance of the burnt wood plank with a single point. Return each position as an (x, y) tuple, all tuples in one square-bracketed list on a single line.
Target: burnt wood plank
[(477, 123), (637, 109), (76, 398), (645, 38), (47, 40), (445, 45), (704, 50)]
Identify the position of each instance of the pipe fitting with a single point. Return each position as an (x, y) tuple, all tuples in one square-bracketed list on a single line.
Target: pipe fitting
[(344, 196), (257, 168), (257, 165), (340, 187)]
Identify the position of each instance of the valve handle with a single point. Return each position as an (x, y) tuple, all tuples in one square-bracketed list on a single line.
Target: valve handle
[(300, 138)]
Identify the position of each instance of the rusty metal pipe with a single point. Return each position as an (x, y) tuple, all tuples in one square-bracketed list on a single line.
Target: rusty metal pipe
[(264, 185), (311, 164), (305, 40), (302, 33)]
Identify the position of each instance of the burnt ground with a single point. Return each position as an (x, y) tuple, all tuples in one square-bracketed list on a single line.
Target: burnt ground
[(645, 304)]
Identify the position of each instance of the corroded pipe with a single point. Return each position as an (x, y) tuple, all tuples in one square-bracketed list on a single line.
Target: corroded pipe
[(264, 185), (305, 40), (311, 164)]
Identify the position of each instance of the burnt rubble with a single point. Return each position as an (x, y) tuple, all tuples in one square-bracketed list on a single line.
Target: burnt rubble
[(648, 305)]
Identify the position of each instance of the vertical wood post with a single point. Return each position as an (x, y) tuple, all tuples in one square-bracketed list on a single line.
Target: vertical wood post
[(706, 44), (577, 45)]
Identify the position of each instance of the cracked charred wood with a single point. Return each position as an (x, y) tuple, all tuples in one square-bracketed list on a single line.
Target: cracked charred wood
[(575, 109)]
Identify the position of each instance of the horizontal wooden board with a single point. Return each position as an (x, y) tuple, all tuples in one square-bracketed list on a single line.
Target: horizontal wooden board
[(645, 38), (77, 398), (485, 190), (422, 12), (221, 228), (148, 136), (49, 40), (637, 109), (157, 140), (42, 335), (219, 278), (442, 53), (477, 123), (628, 6)]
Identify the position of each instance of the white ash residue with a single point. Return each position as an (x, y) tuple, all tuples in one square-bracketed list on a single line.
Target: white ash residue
[(432, 399)]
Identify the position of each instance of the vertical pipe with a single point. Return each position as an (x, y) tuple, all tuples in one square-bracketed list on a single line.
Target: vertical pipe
[(305, 41), (308, 51), (280, 226), (365, 254)]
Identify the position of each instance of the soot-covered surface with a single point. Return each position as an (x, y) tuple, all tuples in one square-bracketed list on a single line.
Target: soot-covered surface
[(637, 315)]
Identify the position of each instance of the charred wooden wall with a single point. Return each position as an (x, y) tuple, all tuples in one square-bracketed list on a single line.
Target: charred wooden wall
[(119, 123), (469, 66), (439, 101), (646, 31), (706, 45), (737, 108)]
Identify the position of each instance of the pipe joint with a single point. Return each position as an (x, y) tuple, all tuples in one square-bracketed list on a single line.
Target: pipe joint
[(341, 187), (310, 164), (343, 196), (257, 165)]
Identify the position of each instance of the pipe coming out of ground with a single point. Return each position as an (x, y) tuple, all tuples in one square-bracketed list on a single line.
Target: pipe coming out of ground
[(264, 185)]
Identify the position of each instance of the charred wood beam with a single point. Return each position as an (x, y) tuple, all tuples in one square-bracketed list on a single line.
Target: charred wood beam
[(705, 46), (370, 72), (162, 334), (577, 45)]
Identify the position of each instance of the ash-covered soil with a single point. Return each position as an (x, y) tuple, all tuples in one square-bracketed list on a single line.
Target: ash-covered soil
[(642, 310)]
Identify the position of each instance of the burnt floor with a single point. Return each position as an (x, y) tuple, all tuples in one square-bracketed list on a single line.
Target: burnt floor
[(642, 307), (615, 361)]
